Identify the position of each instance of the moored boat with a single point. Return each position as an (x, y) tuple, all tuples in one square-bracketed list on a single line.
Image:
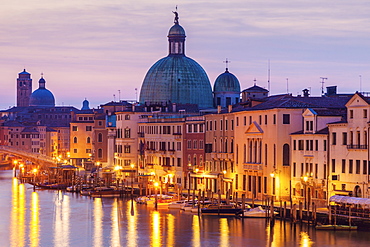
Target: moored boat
[(222, 209), (257, 212), (336, 227)]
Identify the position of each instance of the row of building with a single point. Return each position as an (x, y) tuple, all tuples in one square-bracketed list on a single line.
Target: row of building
[(297, 148)]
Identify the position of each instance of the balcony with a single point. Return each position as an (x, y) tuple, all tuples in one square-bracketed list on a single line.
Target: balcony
[(140, 134), (222, 156), (252, 166), (352, 146)]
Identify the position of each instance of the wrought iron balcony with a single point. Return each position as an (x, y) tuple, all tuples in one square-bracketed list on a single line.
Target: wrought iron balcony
[(352, 146)]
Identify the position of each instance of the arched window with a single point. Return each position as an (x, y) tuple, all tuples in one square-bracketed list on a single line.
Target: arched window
[(100, 153), (100, 137), (74, 139), (286, 158), (88, 140)]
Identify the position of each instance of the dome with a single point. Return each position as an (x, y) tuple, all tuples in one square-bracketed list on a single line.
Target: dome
[(226, 82), (42, 97), (176, 30), (85, 105), (177, 79)]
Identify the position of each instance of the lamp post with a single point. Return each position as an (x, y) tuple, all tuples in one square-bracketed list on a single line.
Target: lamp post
[(305, 179)]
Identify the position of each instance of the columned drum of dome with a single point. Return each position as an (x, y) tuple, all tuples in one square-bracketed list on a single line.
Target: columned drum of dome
[(176, 78), (42, 97)]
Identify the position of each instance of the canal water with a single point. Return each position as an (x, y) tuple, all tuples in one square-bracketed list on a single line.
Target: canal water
[(57, 218)]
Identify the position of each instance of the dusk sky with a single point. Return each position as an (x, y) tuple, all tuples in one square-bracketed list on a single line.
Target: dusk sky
[(91, 49)]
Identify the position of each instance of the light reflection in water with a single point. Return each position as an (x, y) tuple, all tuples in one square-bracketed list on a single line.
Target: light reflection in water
[(35, 221), (131, 224), (61, 219), (156, 229), (171, 230), (305, 240), (17, 220), (98, 222), (196, 231), (115, 236), (224, 232)]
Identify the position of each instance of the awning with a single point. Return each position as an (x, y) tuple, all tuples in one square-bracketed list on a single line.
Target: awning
[(204, 175), (350, 200)]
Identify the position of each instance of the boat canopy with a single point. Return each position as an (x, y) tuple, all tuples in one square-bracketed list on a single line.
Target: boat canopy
[(350, 200)]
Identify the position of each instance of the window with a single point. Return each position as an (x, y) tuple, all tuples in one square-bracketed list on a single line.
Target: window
[(274, 119), (316, 145), (245, 121), (74, 128), (343, 166), (265, 119), (350, 113), (100, 137), (286, 155), (300, 144), (333, 165), (350, 168), (127, 133), (75, 150), (364, 170), (127, 117), (324, 145), (286, 118), (334, 138), (189, 144), (88, 151), (344, 138), (88, 128), (294, 169), (358, 166), (88, 140), (365, 113), (127, 149), (294, 145), (178, 144), (75, 140), (100, 153)]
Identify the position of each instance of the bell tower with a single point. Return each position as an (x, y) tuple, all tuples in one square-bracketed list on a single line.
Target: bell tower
[(24, 89)]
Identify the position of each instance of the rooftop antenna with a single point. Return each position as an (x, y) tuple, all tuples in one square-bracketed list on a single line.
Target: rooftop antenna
[(322, 84), (227, 62), (287, 85), (114, 98), (268, 76), (360, 83), (136, 93), (119, 95), (255, 81)]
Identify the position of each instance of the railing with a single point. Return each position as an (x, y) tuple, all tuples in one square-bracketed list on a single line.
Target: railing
[(352, 146), (250, 166)]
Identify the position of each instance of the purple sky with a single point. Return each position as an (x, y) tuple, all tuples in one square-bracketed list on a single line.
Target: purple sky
[(91, 49)]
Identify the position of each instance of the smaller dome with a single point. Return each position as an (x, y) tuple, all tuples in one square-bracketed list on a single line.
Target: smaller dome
[(176, 30), (85, 105), (226, 82), (42, 97)]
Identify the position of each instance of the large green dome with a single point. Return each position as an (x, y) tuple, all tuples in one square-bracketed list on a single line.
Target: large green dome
[(176, 78)]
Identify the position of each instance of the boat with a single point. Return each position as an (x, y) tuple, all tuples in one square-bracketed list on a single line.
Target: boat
[(106, 192), (257, 212), (221, 209), (188, 206), (336, 227), (177, 204)]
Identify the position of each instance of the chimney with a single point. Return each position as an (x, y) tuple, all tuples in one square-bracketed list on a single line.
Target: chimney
[(229, 108), (218, 109), (306, 92)]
